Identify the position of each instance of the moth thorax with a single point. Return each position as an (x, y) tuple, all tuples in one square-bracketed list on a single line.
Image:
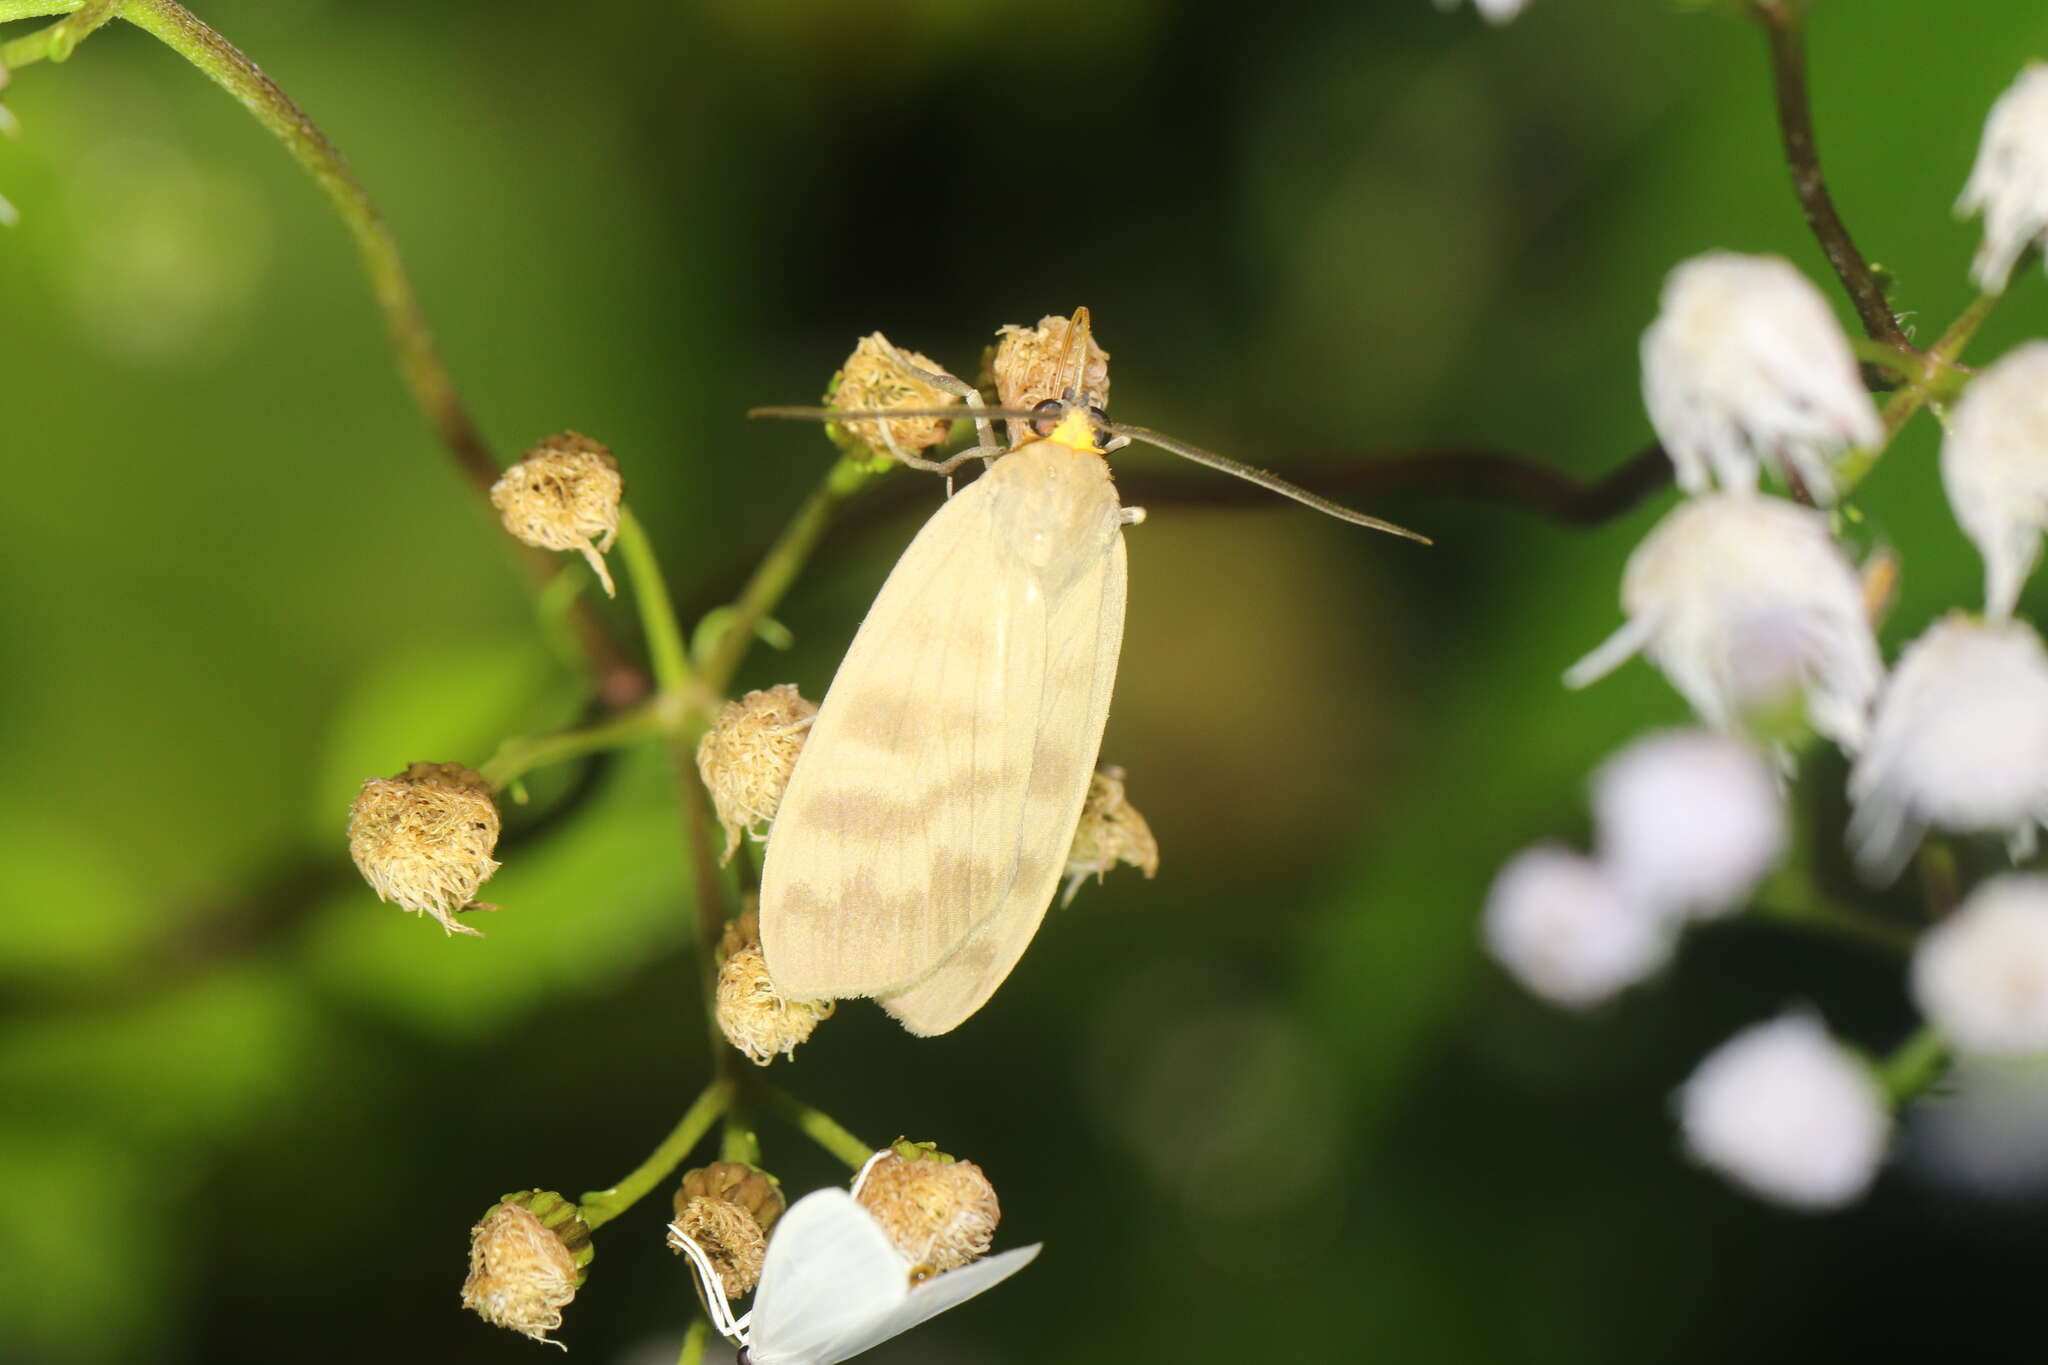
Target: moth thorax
[(1057, 508)]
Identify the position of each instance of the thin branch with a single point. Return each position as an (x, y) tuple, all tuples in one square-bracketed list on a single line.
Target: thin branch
[(1784, 24), (619, 679)]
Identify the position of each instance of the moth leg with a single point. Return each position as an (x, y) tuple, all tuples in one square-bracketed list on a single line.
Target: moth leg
[(1130, 516), (984, 430)]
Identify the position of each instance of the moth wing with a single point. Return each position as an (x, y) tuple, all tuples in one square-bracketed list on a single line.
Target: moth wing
[(1084, 639), (925, 1301), (898, 831), (829, 1274)]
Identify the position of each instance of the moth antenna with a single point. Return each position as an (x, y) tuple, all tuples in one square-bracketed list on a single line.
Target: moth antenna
[(1074, 364), (1271, 482), (817, 414)]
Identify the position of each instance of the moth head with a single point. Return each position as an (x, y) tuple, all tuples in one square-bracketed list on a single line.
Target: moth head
[(1077, 425)]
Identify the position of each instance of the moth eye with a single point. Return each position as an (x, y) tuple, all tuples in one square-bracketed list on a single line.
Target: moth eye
[(1048, 416), (920, 1272)]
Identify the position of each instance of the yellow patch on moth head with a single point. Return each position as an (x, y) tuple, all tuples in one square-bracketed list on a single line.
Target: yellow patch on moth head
[(1077, 431)]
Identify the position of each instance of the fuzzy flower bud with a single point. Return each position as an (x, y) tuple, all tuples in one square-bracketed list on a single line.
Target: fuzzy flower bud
[(1689, 822), (1960, 743), (1783, 1111), (747, 755), (424, 840), (1994, 464), (878, 376), (1495, 11), (1111, 832), (1981, 975), (1562, 928), (752, 1013), (2009, 184), (1034, 364), (1744, 603), (726, 1210), (564, 495), (527, 1259), (940, 1213), (1746, 366)]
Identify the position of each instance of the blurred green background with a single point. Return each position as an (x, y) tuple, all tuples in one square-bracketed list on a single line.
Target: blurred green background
[(1274, 1105)]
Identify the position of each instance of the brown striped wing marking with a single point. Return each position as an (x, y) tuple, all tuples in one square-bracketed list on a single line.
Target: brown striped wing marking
[(901, 828), (1085, 637)]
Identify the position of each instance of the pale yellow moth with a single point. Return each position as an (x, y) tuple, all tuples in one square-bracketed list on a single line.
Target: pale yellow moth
[(927, 822)]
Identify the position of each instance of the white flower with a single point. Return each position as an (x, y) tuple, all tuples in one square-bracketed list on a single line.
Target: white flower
[(1994, 463), (1746, 365), (1496, 11), (1960, 743), (1784, 1112), (1981, 975), (2009, 183), (1564, 930), (1744, 602), (1689, 822)]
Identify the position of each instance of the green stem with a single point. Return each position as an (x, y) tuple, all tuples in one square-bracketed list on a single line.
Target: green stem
[(779, 568), (1914, 1066), (1937, 379), (521, 754), (601, 1206), (665, 649), (821, 1128), (1792, 897), (693, 1343)]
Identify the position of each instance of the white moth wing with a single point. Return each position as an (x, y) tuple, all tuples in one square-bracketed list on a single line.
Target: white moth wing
[(904, 827), (898, 829), (926, 1301), (830, 1272), (1083, 640)]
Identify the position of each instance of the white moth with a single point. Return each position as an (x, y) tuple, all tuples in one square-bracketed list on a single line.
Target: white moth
[(927, 822), (833, 1286)]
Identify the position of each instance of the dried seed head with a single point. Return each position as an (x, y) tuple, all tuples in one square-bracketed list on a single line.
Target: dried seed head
[(527, 1259), (424, 839), (564, 495), (1033, 364), (747, 755), (728, 1209), (752, 1013), (939, 1212), (879, 376), (1111, 832)]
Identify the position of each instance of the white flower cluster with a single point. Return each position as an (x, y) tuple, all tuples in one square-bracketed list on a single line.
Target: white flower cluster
[(1784, 1111), (1688, 824), (1748, 604), (2009, 184), (1746, 367)]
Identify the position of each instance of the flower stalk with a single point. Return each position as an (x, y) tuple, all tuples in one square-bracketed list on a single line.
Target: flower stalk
[(599, 1207)]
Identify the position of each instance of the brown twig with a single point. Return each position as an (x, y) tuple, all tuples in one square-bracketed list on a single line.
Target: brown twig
[(1784, 24)]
